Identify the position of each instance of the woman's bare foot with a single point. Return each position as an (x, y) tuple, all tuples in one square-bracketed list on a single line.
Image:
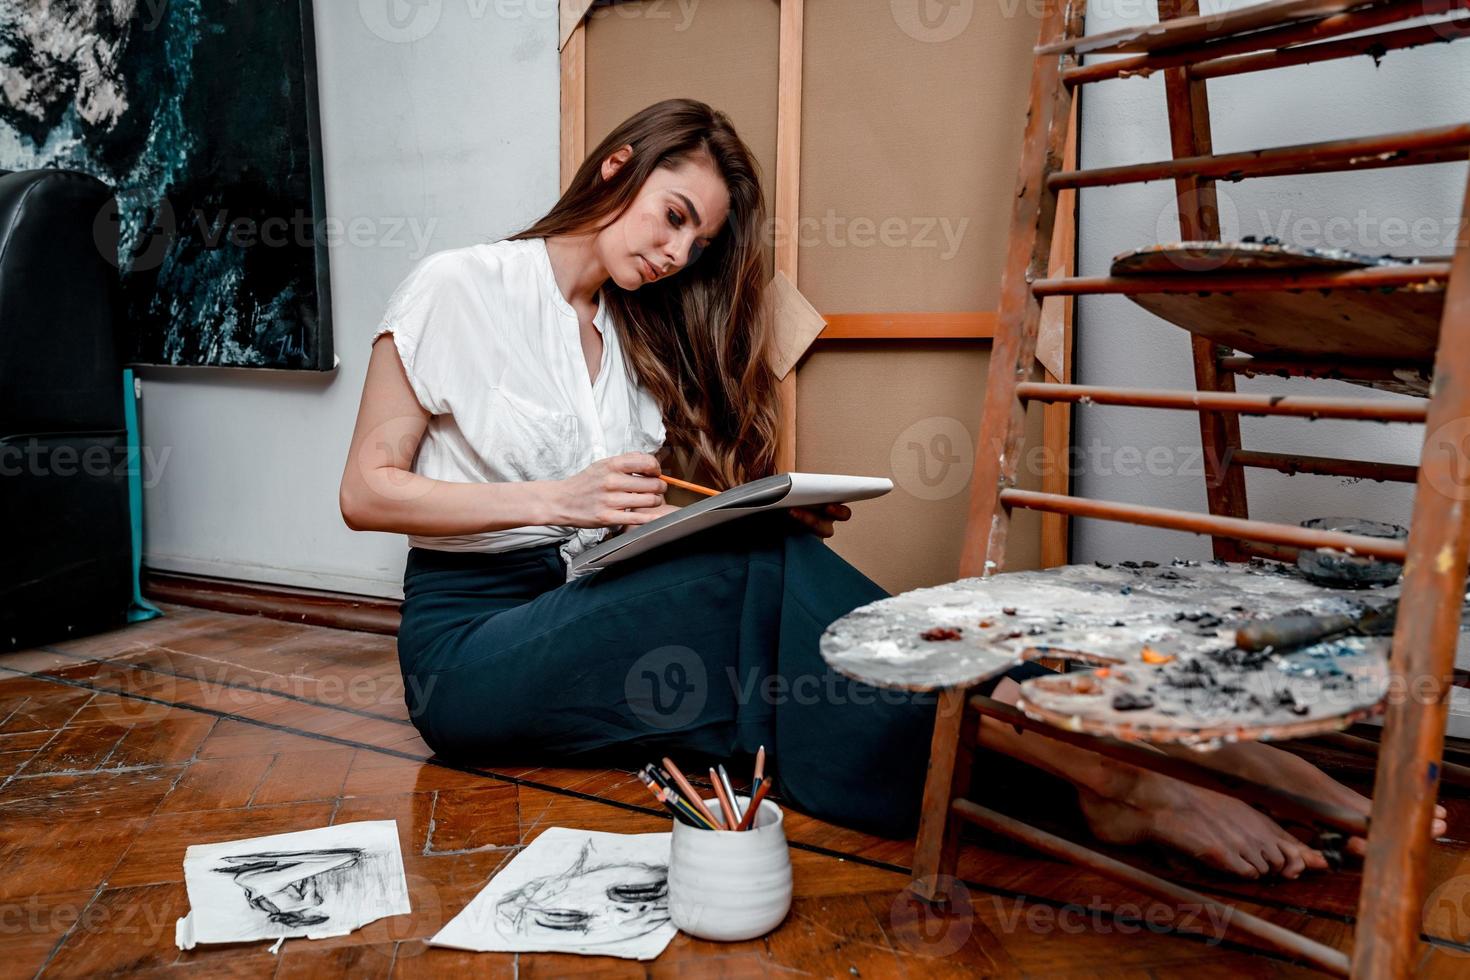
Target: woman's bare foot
[(1127, 805), (1271, 766), (1215, 829)]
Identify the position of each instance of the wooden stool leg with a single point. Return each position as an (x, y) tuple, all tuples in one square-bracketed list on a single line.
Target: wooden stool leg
[(950, 755)]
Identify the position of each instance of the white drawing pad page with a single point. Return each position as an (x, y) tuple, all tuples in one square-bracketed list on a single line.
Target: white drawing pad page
[(310, 883), (573, 891), (771, 493)]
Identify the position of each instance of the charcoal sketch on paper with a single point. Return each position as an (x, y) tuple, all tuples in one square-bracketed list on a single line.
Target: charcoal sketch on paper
[(595, 900), (292, 887), (314, 884), (573, 891)]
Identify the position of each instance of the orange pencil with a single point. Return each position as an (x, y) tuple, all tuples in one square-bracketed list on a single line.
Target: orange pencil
[(726, 804), (673, 482), (755, 804), (690, 794)]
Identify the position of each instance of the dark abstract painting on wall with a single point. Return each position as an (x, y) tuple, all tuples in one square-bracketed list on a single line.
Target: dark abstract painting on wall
[(202, 116)]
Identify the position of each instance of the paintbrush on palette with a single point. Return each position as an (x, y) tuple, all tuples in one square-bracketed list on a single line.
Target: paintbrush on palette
[(1295, 630)]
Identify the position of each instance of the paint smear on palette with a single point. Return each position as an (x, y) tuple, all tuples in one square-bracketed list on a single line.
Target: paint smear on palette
[(1165, 633), (1206, 698)]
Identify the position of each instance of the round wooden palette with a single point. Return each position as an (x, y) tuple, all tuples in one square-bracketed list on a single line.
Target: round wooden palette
[(1399, 324), (1182, 617), (1202, 699)]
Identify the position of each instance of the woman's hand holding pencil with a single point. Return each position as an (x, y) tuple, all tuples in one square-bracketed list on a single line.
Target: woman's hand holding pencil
[(684, 484)]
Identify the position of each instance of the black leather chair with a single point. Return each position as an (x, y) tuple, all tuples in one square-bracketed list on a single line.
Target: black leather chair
[(63, 438)]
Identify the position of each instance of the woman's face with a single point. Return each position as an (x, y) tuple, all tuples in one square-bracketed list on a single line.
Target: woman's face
[(676, 214)]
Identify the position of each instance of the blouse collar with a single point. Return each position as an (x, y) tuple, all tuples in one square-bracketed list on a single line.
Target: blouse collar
[(599, 319)]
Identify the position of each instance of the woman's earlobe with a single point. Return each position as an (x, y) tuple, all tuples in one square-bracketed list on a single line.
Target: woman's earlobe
[(615, 160)]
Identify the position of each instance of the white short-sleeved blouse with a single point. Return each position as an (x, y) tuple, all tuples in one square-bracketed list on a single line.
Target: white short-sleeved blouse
[(493, 350)]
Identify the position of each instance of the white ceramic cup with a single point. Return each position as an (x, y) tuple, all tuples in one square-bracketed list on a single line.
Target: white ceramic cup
[(729, 885)]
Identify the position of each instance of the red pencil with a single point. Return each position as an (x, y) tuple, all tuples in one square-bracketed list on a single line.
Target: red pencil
[(755, 804)]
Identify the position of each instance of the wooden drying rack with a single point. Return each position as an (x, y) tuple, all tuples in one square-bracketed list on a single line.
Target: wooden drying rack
[(1189, 49)]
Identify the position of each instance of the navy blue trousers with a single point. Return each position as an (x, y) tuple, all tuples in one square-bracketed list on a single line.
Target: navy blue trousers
[(704, 650)]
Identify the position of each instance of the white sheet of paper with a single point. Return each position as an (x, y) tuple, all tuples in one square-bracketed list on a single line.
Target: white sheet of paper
[(573, 891), (776, 492), (308, 883)]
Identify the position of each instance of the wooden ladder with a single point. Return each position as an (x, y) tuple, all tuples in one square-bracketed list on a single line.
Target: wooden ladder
[(1190, 49)]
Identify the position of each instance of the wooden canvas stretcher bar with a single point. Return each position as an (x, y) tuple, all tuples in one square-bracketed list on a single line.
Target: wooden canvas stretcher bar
[(909, 326), (787, 195)]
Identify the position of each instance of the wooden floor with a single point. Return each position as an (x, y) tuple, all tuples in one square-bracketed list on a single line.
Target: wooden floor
[(117, 751)]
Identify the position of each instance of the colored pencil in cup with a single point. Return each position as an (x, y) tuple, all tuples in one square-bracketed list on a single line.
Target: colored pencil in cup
[(760, 770), (672, 795), (732, 818), (674, 482), (658, 794), (747, 821), (681, 810), (730, 792), (690, 793)]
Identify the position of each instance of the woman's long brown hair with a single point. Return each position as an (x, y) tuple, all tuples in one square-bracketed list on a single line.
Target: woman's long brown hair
[(697, 341)]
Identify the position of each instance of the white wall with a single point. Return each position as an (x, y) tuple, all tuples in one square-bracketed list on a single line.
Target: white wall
[(1123, 121), (439, 130)]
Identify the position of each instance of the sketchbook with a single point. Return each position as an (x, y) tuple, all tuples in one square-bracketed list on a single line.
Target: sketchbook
[(771, 493)]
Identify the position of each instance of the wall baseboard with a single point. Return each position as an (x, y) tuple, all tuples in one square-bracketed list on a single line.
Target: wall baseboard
[(338, 610), (386, 585)]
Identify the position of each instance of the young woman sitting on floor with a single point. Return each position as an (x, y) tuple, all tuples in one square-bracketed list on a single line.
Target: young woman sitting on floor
[(521, 400)]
